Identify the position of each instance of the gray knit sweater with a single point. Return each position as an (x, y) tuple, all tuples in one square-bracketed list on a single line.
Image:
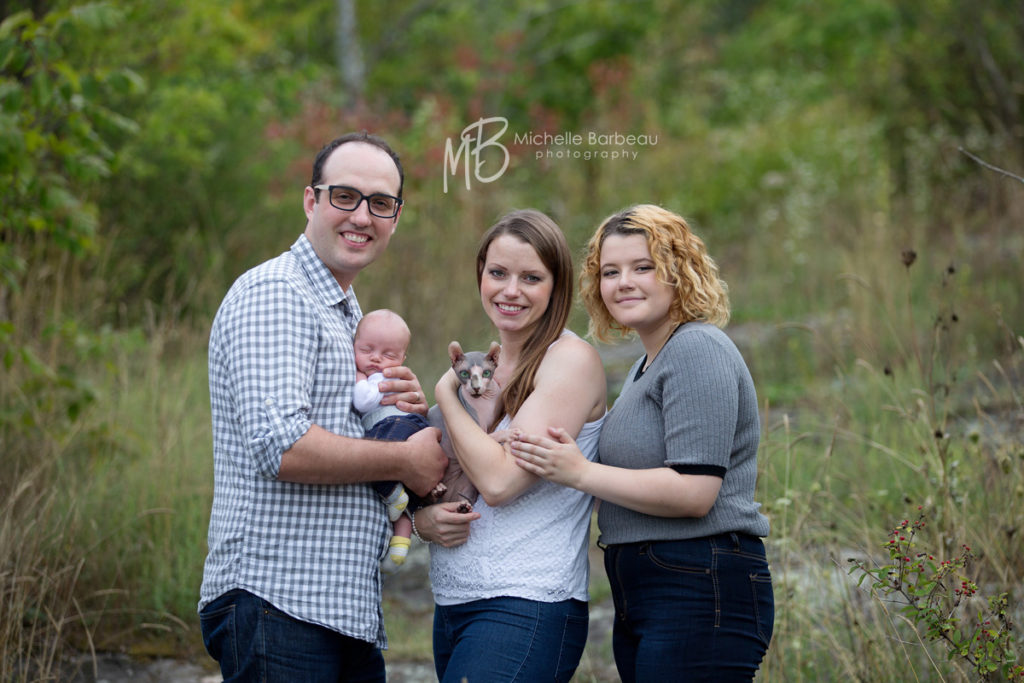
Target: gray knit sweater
[(695, 407)]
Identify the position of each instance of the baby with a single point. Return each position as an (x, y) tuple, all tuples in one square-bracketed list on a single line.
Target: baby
[(381, 341)]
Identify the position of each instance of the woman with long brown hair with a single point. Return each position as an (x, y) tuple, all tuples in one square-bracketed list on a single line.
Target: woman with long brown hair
[(511, 602)]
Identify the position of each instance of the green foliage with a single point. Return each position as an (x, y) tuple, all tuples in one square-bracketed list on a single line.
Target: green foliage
[(53, 118), (933, 595), (533, 63), (51, 113), (151, 152), (203, 160), (949, 72)]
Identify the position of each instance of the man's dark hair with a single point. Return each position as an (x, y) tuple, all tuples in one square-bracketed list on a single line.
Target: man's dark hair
[(362, 136)]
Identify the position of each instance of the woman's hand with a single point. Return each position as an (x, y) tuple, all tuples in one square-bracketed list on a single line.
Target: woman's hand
[(402, 389), (448, 385), (556, 459), (443, 524)]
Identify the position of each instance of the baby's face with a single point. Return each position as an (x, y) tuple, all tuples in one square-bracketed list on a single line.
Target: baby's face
[(379, 345)]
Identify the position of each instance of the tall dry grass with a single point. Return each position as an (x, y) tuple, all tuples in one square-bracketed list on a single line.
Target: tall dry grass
[(920, 412)]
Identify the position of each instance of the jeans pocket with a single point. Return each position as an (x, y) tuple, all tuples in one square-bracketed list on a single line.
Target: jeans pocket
[(764, 604), (672, 558), (574, 639), (220, 637)]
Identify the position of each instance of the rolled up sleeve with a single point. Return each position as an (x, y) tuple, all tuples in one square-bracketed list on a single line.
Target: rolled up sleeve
[(274, 344)]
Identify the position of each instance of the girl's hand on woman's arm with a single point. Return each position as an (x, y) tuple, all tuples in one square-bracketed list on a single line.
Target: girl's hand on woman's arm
[(659, 491), (556, 459)]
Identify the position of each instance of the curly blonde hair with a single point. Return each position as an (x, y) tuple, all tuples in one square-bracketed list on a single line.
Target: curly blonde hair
[(681, 261)]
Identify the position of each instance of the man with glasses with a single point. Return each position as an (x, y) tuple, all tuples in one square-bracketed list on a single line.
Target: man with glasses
[(291, 585)]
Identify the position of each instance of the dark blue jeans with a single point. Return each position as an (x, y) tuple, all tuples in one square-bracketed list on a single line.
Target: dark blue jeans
[(509, 639), (694, 610), (253, 641), (395, 428)]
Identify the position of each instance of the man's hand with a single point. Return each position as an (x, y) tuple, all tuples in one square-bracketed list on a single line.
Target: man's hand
[(403, 390), (444, 524), (425, 461)]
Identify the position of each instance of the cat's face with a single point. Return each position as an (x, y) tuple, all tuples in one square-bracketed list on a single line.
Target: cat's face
[(475, 371)]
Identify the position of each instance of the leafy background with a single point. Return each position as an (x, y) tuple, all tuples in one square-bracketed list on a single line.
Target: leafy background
[(150, 152)]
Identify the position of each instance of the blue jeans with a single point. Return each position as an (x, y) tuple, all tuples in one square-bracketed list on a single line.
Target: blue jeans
[(395, 428), (253, 641), (509, 639), (693, 610)]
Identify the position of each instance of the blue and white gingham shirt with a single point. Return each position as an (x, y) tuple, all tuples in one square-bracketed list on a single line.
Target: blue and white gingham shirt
[(281, 360)]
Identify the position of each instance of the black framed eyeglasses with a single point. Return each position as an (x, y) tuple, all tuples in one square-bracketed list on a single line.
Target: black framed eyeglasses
[(348, 198)]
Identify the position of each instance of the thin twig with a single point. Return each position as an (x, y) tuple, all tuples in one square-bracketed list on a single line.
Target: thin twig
[(990, 166)]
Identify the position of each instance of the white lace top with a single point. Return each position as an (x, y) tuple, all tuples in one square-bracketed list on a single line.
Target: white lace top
[(534, 547)]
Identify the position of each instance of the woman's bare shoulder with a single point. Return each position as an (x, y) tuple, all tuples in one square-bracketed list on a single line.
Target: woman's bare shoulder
[(573, 364), (569, 389), (574, 350)]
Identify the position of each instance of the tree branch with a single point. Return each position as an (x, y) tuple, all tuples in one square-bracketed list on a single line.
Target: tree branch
[(990, 166)]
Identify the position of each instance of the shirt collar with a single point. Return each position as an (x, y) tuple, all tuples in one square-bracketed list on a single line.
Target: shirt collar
[(324, 284)]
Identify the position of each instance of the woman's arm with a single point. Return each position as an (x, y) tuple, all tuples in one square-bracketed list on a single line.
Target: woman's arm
[(568, 389), (697, 408), (660, 491)]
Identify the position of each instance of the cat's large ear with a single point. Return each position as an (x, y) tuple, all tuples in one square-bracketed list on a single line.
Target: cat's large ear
[(494, 352), (455, 352)]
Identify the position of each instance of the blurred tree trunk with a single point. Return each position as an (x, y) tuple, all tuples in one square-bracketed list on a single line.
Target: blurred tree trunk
[(349, 54)]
